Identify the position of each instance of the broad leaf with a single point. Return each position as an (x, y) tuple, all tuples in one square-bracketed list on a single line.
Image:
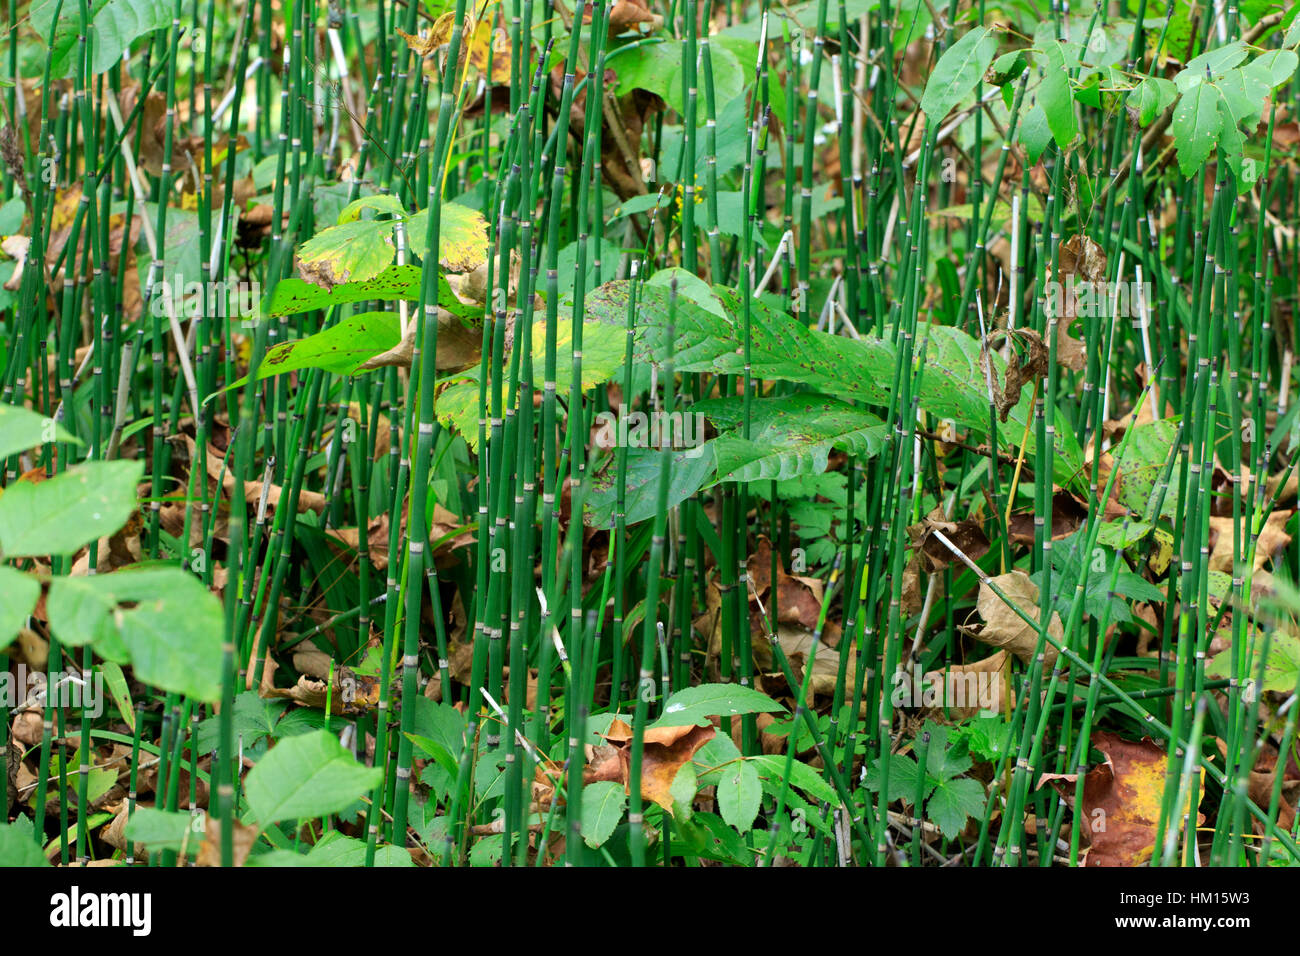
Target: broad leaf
[(171, 635), (18, 595), (18, 846), (21, 429), (789, 435), (116, 24), (739, 793), (74, 508), (603, 804), (161, 829), (309, 775), (1196, 127), (695, 705), (957, 72)]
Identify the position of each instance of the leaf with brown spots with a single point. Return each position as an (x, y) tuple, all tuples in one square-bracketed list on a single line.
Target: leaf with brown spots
[(1121, 800)]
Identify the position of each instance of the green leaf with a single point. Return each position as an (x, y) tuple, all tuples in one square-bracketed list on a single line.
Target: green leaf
[(903, 777), (772, 767), (161, 829), (297, 295), (116, 24), (682, 791), (335, 849), (657, 67), (953, 802), (433, 750), (603, 804), (689, 471), (1034, 132), (739, 793), (21, 429), (352, 252), (695, 705), (74, 508), (18, 846), (171, 636), (1216, 62), (1151, 98), (254, 718), (1281, 667), (338, 349), (380, 203), (957, 72), (1243, 97), (462, 237), (953, 385), (1141, 466), (1196, 127), (18, 595), (119, 691), (1067, 564), (309, 775), (1058, 98), (790, 435), (944, 761)]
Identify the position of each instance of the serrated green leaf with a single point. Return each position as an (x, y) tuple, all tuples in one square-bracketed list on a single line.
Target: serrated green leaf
[(804, 777), (1273, 68), (354, 251), (1214, 62), (18, 846), (953, 802), (789, 436), (904, 774)]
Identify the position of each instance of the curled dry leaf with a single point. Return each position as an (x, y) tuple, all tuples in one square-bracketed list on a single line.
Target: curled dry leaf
[(631, 16), (1272, 539), (1004, 628), (1080, 259), (667, 750), (307, 500), (242, 839), (965, 690), (967, 535), (1068, 512), (1021, 370)]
